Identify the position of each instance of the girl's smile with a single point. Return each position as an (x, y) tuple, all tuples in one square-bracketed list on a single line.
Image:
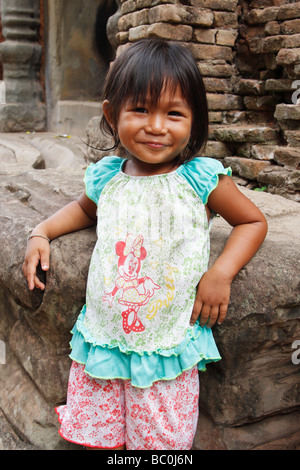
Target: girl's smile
[(154, 135)]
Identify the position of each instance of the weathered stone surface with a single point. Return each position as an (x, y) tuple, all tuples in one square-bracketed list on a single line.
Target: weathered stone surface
[(40, 150), (223, 101), (161, 30), (245, 167), (257, 395), (15, 117), (205, 36), (180, 14), (220, 37), (292, 137), (279, 178), (261, 103), (287, 111), (288, 56), (246, 133), (279, 85), (97, 141), (224, 5), (217, 85), (274, 43), (226, 38), (272, 28), (262, 16), (287, 156), (224, 19), (216, 150), (272, 433), (133, 19), (36, 329), (205, 51), (9, 439), (215, 70), (250, 87), (286, 12), (21, 154), (290, 27), (258, 152)]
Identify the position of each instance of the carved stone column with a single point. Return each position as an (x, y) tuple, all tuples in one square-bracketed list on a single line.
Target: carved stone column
[(20, 55)]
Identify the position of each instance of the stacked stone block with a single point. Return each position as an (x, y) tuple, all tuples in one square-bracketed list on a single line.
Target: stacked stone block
[(249, 56), (272, 38)]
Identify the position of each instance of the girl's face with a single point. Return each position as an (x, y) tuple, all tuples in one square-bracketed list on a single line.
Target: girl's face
[(155, 135)]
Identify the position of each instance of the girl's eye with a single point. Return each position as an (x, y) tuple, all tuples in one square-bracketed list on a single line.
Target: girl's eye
[(175, 113), (140, 110)]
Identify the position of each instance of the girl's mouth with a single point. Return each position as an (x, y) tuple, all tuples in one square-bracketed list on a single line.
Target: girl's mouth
[(155, 145)]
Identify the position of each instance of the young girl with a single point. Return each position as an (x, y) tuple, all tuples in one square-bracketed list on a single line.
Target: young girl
[(145, 330)]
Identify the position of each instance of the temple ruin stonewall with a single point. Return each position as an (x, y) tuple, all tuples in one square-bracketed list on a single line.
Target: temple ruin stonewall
[(249, 55)]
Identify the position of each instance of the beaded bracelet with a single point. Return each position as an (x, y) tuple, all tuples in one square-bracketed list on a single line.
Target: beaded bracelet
[(41, 236)]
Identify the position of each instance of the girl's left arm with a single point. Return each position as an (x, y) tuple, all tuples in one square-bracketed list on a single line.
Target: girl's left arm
[(248, 233)]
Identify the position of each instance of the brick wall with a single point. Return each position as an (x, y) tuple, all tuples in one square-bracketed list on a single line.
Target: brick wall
[(249, 55)]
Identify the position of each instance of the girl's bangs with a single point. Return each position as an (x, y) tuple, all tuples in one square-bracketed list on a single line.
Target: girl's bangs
[(148, 83)]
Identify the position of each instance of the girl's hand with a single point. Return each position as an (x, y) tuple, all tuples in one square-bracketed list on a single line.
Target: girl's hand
[(38, 250), (248, 233), (76, 215), (212, 298)]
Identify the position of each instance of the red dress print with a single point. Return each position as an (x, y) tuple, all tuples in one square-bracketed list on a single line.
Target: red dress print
[(135, 291)]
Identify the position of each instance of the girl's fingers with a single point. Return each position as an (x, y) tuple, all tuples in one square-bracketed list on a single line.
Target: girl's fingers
[(205, 314), (45, 261), (38, 283), (213, 316), (196, 311), (222, 313), (210, 315), (29, 270)]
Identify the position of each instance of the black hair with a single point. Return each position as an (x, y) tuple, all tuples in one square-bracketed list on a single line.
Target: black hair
[(145, 68)]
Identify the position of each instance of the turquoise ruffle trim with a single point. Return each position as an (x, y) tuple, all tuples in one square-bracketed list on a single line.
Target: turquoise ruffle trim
[(198, 347)]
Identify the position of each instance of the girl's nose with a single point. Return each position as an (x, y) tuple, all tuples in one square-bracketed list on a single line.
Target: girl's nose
[(156, 124)]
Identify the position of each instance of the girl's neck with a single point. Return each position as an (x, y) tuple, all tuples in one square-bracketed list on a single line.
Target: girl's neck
[(135, 167)]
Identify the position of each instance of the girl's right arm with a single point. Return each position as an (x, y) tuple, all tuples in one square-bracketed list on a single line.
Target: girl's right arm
[(75, 216)]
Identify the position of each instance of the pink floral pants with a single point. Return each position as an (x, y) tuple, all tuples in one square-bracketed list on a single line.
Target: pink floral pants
[(111, 413)]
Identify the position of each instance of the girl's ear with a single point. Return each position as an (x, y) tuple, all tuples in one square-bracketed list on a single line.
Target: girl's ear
[(107, 113)]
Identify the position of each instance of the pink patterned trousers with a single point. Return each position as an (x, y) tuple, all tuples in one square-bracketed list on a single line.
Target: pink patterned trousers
[(111, 413)]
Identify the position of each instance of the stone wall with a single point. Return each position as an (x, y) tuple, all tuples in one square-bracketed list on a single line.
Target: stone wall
[(249, 55)]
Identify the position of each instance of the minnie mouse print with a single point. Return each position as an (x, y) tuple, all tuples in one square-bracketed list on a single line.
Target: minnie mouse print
[(135, 291)]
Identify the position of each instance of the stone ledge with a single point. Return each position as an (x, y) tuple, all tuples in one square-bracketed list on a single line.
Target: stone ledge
[(288, 156), (287, 111), (288, 56), (264, 15), (245, 133), (218, 5), (246, 167)]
